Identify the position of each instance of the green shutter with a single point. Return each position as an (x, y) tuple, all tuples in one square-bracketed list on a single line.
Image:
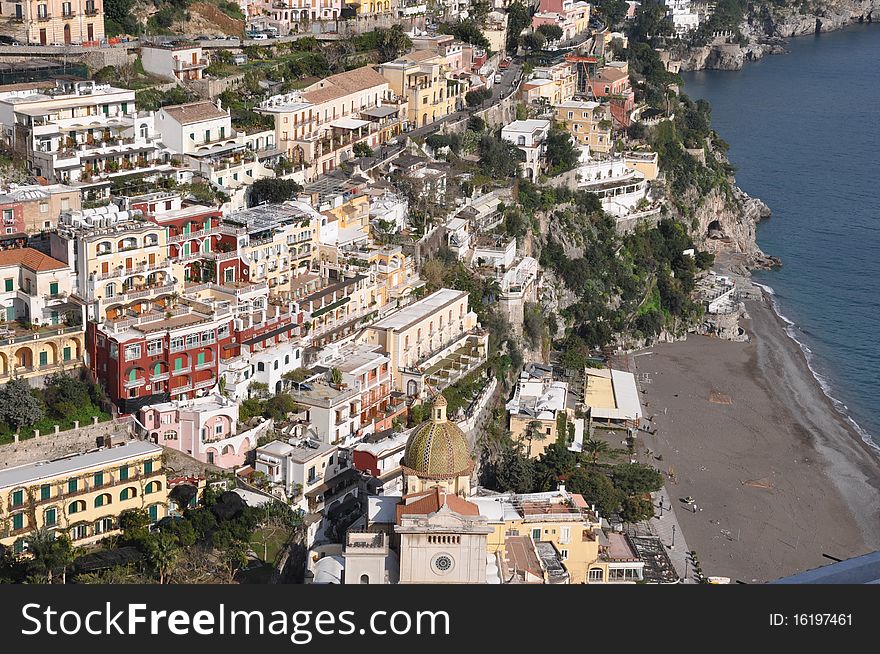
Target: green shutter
[(178, 363), (157, 369), (18, 521), (148, 467), (51, 517), (154, 513), (44, 358), (99, 501), (99, 479), (200, 359), (123, 473), (9, 283), (132, 376), (73, 508), (71, 486), (68, 355), (45, 492), (53, 288), (18, 498)]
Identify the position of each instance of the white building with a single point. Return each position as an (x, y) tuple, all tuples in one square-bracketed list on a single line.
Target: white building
[(179, 62), (529, 136)]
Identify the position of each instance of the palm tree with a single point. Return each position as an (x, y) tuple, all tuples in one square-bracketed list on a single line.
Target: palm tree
[(595, 449), (162, 553), (51, 552), (336, 376), (534, 432)]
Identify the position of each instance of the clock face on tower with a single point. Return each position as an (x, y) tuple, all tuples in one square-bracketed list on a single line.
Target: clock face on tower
[(442, 563)]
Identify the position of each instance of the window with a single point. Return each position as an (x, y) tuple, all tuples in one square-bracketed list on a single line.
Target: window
[(44, 207), (72, 485), (102, 500), (127, 494), (563, 554), (53, 288), (200, 358), (565, 535), (18, 521), (18, 497), (178, 363), (45, 492), (132, 352), (170, 435), (177, 343), (50, 517), (99, 479), (67, 353), (218, 429), (154, 512), (103, 526), (76, 507), (192, 341), (123, 473), (595, 574), (44, 358), (536, 534), (79, 532), (148, 467), (154, 348)]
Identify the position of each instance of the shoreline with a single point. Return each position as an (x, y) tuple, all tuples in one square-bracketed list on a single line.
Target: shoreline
[(779, 474)]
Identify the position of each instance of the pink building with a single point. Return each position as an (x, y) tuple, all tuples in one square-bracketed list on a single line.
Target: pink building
[(205, 428)]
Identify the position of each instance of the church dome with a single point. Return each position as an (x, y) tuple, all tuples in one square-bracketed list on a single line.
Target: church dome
[(438, 449)]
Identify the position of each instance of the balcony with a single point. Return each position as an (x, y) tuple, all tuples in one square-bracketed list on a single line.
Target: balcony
[(67, 15), (181, 371), (92, 11), (42, 18), (185, 236), (139, 269), (180, 65), (134, 383), (162, 376), (204, 366), (206, 383)]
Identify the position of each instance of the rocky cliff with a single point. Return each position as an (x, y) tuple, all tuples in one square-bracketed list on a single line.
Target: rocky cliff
[(766, 27)]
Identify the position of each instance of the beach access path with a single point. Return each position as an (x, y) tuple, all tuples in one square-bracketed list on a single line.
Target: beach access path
[(779, 477)]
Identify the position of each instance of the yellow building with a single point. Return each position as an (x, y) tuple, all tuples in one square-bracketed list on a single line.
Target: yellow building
[(645, 162), (589, 123), (425, 79), (556, 517), (82, 496), (536, 409), (551, 85), (371, 7)]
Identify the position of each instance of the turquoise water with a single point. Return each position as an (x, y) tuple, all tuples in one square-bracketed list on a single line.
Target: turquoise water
[(804, 134)]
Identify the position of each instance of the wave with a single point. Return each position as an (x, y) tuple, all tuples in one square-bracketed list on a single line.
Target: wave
[(792, 330)]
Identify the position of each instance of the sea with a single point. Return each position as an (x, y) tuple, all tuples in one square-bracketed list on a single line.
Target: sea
[(804, 135)]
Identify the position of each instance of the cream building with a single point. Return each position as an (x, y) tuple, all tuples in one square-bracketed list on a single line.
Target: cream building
[(589, 123), (426, 79), (53, 22), (82, 496)]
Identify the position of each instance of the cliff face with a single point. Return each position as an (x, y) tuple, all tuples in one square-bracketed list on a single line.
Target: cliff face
[(766, 28)]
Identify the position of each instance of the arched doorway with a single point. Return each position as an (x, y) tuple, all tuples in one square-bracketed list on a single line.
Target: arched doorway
[(67, 34)]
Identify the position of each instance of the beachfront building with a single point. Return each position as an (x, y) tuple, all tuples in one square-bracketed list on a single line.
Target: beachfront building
[(432, 342), (54, 22), (541, 409), (80, 133), (530, 137), (611, 398), (83, 495), (40, 325)]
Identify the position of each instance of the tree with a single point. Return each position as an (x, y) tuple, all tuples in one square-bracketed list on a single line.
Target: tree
[(594, 449), (51, 553), (596, 488), (278, 406), (550, 32), (477, 97), (135, 526), (519, 17), (162, 551), (335, 376), (613, 11), (476, 124), (272, 191), (65, 394), (18, 405), (392, 43), (534, 41), (362, 150), (534, 431), (466, 30), (234, 556), (499, 159), (636, 478), (636, 509), (515, 472), (561, 153)]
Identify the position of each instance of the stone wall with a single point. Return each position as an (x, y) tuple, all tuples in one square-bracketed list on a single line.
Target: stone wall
[(54, 445), (208, 89)]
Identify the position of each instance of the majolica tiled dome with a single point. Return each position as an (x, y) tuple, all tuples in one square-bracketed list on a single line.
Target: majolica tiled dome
[(438, 449)]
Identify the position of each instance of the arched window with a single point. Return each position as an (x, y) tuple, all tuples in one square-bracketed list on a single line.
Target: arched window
[(365, 578), (153, 487), (103, 500), (76, 507), (110, 290), (170, 435), (127, 493)]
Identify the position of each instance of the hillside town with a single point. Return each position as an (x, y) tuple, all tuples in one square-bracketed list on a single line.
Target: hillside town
[(339, 322)]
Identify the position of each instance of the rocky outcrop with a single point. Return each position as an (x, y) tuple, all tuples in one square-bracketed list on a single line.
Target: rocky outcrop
[(766, 27)]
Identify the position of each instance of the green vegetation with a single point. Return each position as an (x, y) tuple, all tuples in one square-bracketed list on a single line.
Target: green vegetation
[(64, 398), (272, 191), (562, 155), (622, 489), (477, 97), (150, 99), (467, 30), (519, 17), (550, 32)]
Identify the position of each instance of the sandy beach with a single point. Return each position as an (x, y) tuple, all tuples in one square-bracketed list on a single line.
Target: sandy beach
[(779, 477)]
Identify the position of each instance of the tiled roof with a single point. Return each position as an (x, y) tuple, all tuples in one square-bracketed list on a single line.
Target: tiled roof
[(438, 450), (342, 84), (194, 112), (29, 258), (433, 501)]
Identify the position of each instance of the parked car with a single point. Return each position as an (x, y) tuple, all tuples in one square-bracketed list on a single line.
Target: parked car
[(505, 64), (260, 37), (498, 78)]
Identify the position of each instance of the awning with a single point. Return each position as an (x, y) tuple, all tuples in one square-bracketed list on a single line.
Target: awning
[(380, 112), (349, 123)]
